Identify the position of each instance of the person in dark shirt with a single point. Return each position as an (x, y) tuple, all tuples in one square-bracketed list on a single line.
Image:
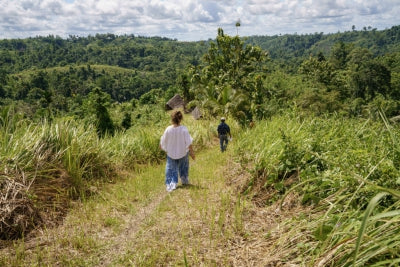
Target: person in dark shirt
[(223, 132)]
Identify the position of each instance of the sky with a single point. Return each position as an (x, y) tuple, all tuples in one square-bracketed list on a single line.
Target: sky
[(192, 20)]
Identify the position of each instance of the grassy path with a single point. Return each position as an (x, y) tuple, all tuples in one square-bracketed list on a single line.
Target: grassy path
[(179, 228), (135, 222)]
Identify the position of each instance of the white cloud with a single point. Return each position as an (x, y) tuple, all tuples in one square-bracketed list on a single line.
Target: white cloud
[(191, 19)]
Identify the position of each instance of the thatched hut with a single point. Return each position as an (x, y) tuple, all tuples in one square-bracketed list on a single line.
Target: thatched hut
[(175, 103), (196, 113)]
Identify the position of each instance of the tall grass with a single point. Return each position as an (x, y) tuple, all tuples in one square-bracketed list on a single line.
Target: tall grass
[(339, 166), (64, 157), (42, 164), (71, 146), (136, 146), (140, 143), (71, 151)]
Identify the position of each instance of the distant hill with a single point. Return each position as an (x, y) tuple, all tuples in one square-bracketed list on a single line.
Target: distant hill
[(156, 54), (293, 45), (154, 63), (127, 51), (293, 48)]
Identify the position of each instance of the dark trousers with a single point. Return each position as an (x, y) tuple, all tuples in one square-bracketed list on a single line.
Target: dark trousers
[(223, 141)]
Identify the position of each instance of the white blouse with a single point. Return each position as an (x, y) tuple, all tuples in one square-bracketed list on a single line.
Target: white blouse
[(176, 141)]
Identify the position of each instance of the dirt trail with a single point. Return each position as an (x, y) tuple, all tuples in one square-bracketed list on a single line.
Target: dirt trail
[(151, 231), (132, 224)]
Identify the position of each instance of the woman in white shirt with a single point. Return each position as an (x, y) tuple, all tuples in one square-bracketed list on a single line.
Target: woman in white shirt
[(177, 142)]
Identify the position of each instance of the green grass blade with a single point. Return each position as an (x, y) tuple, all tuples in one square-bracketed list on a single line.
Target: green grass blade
[(371, 205)]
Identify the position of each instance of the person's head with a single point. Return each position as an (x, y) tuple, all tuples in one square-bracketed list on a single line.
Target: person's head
[(223, 119), (176, 117)]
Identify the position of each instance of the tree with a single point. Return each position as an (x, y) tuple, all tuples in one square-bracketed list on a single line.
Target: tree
[(228, 81), (99, 101), (151, 97), (40, 95), (184, 84), (369, 77), (3, 81), (127, 121), (317, 69), (339, 53), (237, 25)]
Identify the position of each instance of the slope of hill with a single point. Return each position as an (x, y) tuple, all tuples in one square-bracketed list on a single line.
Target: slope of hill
[(274, 198)]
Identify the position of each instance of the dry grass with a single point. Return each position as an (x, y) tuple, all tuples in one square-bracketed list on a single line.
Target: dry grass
[(16, 209), (265, 226)]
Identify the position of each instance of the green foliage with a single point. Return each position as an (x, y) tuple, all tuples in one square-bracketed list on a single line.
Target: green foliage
[(126, 51), (350, 81), (98, 102), (339, 54), (231, 80), (126, 121), (152, 97), (184, 85), (64, 86), (291, 157), (125, 67), (317, 70), (310, 149), (346, 66)]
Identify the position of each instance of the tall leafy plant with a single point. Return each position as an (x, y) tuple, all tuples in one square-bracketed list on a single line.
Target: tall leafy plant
[(231, 79), (98, 102)]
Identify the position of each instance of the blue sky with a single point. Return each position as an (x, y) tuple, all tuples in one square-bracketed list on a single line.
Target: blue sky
[(191, 20)]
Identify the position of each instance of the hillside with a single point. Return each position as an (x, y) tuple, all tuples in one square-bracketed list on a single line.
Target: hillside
[(311, 177), (167, 59), (54, 76), (283, 197), (291, 46)]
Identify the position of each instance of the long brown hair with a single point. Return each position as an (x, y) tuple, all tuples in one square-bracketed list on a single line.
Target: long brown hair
[(176, 117)]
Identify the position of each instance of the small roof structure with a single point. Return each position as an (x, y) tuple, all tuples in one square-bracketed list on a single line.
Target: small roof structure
[(196, 113), (175, 102)]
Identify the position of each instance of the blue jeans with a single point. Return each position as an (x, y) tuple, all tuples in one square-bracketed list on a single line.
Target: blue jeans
[(177, 167), (223, 141)]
